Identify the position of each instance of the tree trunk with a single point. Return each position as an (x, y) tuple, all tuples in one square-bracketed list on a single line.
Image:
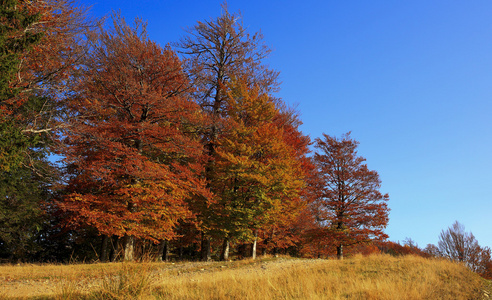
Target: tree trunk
[(340, 251), (103, 255), (253, 246), (275, 251), (225, 250), (129, 248), (166, 251), (163, 254), (129, 241), (206, 255), (115, 248), (242, 250), (180, 251)]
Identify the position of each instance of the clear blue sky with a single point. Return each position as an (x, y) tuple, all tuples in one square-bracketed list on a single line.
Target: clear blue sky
[(412, 80)]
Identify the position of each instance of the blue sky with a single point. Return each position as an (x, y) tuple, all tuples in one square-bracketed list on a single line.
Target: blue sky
[(410, 79)]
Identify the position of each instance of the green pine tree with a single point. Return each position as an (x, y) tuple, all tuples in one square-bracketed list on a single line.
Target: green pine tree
[(24, 169), (14, 41)]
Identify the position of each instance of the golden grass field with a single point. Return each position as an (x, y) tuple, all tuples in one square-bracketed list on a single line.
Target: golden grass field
[(371, 277)]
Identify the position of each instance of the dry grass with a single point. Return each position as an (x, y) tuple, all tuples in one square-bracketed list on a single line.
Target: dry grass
[(373, 277)]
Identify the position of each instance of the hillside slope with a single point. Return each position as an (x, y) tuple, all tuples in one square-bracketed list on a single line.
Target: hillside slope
[(372, 277)]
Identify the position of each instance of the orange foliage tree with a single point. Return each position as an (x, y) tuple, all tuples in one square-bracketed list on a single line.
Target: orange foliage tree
[(216, 51), (397, 249), (255, 175), (349, 209), (288, 228), (131, 148)]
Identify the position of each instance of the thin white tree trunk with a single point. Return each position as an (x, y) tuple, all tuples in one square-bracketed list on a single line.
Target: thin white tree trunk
[(225, 250), (129, 248), (253, 248)]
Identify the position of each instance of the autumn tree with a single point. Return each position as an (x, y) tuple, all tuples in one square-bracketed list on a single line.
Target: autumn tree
[(350, 209), (458, 245), (221, 49), (432, 250), (132, 153), (409, 247), (287, 229), (218, 50), (255, 174)]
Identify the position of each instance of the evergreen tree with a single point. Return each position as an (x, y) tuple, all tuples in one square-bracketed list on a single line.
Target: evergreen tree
[(14, 41), (23, 164)]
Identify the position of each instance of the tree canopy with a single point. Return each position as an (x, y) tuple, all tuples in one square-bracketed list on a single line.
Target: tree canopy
[(350, 207), (186, 148)]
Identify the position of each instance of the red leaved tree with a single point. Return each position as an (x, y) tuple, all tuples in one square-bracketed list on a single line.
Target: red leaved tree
[(132, 151), (350, 209)]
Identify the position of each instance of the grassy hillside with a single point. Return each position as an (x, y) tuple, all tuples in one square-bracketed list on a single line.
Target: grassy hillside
[(373, 277)]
